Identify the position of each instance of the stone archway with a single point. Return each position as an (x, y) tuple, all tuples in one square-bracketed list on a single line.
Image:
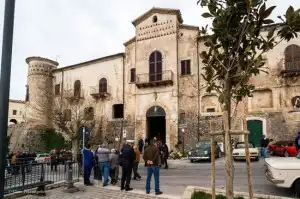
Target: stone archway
[(156, 123)]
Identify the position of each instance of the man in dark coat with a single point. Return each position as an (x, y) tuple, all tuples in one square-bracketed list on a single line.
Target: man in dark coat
[(127, 160)]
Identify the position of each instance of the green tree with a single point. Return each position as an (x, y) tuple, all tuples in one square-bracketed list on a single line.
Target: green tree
[(52, 139), (235, 49)]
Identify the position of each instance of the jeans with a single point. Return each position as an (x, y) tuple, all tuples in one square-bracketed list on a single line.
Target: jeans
[(87, 174), (104, 168), (155, 171), (264, 152)]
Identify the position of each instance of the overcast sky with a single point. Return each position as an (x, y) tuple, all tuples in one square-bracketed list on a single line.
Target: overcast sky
[(72, 31)]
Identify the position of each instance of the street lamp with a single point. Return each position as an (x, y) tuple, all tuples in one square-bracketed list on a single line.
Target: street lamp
[(182, 136), (8, 29)]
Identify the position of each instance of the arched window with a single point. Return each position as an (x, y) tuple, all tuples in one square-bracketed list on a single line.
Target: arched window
[(292, 57), (103, 85), (77, 88), (67, 115), (89, 113), (155, 66)]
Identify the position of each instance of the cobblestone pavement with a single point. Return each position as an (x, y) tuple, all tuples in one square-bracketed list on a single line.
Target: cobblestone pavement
[(96, 192)]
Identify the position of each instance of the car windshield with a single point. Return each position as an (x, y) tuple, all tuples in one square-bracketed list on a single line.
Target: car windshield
[(203, 145), (242, 145)]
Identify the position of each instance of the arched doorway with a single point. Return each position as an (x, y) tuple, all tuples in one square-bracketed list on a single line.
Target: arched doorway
[(13, 121), (256, 131), (156, 123)]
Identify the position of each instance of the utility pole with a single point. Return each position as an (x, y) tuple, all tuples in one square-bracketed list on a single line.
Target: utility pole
[(8, 29)]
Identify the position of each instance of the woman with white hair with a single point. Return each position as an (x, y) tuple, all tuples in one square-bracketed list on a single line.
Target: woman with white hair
[(114, 163)]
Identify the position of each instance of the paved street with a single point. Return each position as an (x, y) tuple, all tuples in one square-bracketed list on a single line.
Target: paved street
[(183, 173)]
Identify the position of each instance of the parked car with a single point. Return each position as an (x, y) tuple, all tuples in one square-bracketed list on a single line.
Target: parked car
[(239, 152), (42, 158), (202, 151), (283, 148), (284, 173)]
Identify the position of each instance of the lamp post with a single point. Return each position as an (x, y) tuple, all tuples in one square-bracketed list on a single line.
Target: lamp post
[(8, 28), (182, 136)]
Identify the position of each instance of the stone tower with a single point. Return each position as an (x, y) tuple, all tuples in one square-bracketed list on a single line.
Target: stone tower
[(39, 105)]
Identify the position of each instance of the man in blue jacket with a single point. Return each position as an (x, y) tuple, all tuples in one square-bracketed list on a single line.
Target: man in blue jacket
[(297, 142), (88, 164)]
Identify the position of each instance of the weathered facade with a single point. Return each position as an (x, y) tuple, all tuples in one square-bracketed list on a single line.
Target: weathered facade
[(155, 88)]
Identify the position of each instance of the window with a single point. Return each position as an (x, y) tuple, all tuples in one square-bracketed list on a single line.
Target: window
[(57, 89), (185, 67), (67, 115), (182, 117), (292, 57), (210, 110), (14, 112), (27, 93), (77, 88), (118, 111), (132, 75), (155, 66), (103, 85), (154, 19), (89, 113)]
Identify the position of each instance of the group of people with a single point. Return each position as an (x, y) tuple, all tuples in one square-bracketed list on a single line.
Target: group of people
[(59, 157), (107, 162), (16, 160)]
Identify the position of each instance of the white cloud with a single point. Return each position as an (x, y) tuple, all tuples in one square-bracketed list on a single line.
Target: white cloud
[(79, 30)]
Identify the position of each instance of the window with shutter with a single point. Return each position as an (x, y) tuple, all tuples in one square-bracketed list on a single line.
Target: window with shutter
[(185, 67), (132, 75)]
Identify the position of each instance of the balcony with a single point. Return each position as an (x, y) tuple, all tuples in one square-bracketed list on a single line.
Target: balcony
[(292, 68), (99, 93), (156, 79), (71, 95)]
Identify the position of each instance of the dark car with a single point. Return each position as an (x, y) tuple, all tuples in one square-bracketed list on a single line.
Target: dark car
[(202, 151)]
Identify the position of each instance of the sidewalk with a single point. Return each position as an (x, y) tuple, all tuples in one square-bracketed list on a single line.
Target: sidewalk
[(98, 192)]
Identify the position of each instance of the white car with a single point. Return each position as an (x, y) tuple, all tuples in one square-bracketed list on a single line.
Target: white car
[(239, 152), (284, 172), (42, 158)]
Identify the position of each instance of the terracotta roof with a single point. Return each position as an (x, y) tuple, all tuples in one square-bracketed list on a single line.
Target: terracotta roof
[(17, 101), (158, 11), (101, 59)]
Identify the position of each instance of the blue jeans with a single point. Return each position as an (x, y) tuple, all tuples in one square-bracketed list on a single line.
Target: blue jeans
[(104, 168), (155, 171), (264, 152)]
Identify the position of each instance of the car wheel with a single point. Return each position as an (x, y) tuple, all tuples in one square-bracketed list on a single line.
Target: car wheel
[(286, 154), (297, 188), (257, 159), (192, 161)]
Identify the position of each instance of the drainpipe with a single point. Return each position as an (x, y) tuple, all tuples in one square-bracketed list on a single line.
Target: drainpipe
[(177, 76), (198, 92), (62, 89), (123, 99)]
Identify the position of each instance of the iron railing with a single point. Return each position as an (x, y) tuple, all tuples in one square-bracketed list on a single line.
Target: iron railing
[(72, 94), (27, 174), (164, 76), (100, 92)]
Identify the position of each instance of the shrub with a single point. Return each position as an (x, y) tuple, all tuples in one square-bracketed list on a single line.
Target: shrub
[(203, 195)]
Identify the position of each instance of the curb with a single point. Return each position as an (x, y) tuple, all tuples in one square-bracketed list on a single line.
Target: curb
[(188, 192), (33, 190)]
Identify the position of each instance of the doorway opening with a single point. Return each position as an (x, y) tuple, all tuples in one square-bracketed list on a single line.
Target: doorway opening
[(256, 131), (156, 123)]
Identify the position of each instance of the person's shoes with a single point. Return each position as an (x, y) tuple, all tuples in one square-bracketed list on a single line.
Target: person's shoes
[(128, 189), (147, 192), (89, 184), (159, 193), (166, 168), (104, 185), (122, 188)]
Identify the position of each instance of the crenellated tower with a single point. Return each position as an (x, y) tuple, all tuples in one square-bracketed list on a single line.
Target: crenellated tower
[(39, 92)]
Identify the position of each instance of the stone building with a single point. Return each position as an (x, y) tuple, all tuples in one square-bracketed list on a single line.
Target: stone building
[(16, 112), (155, 87)]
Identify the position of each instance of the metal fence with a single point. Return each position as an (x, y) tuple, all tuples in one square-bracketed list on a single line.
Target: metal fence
[(27, 175)]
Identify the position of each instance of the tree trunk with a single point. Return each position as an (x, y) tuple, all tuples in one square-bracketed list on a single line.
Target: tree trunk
[(228, 146), (75, 148)]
